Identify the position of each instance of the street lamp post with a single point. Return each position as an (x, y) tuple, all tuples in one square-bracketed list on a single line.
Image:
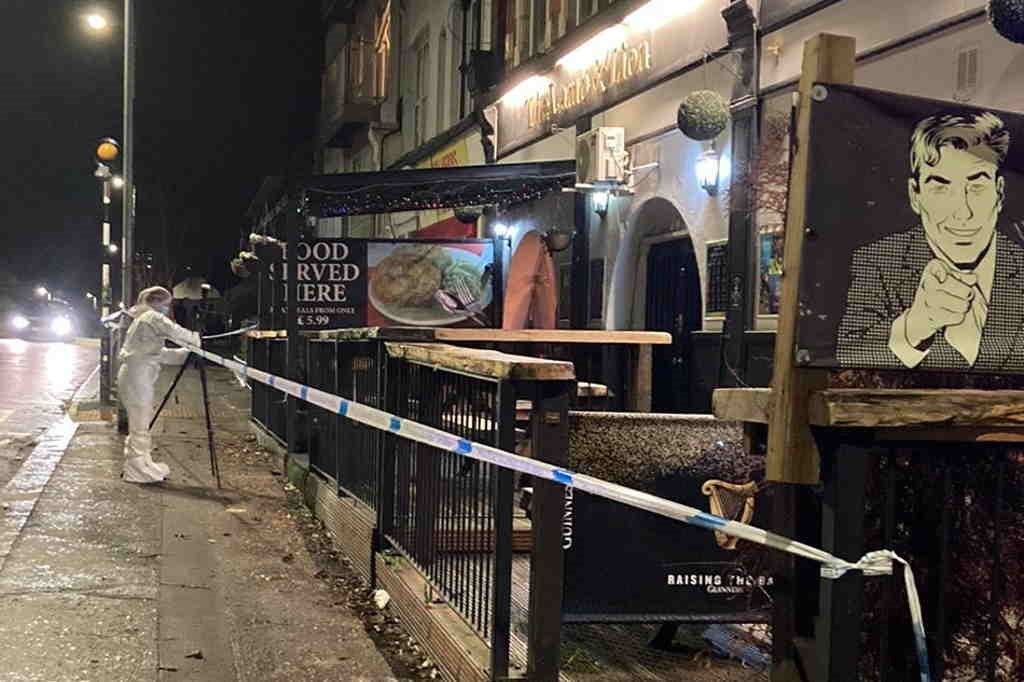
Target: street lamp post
[(99, 23), (128, 215)]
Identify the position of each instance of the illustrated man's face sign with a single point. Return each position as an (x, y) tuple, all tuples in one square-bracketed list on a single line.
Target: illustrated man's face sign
[(959, 200)]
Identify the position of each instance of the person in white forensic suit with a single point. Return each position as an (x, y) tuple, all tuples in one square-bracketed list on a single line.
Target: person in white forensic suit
[(141, 355)]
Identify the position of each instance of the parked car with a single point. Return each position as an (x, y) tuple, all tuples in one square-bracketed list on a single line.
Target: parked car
[(53, 320)]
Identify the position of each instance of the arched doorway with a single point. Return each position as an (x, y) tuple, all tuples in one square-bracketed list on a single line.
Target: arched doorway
[(659, 263)]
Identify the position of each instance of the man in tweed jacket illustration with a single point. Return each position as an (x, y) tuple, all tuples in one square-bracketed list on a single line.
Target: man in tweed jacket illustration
[(946, 294)]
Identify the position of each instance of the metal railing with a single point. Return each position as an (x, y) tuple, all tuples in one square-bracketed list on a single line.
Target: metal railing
[(344, 450), (452, 517), (956, 513), (269, 408)]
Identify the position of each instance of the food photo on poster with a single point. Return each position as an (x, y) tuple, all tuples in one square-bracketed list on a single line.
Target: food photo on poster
[(385, 283), (430, 283)]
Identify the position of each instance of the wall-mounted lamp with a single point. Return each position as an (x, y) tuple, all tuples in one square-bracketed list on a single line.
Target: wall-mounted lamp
[(708, 169), (504, 231), (557, 240), (601, 200)]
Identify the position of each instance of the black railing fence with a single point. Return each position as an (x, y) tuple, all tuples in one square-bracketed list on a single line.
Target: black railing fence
[(450, 516), (447, 511), (956, 513), (270, 407), (340, 448), (323, 426), (258, 354)]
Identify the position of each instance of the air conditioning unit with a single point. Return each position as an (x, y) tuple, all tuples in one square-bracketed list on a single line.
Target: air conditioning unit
[(601, 156)]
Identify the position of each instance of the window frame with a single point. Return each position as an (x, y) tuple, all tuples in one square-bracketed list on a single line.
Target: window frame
[(421, 88)]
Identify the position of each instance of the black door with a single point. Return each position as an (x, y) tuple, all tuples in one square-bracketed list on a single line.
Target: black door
[(673, 306)]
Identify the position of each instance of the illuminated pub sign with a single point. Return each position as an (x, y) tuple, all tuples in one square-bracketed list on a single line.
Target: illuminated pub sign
[(646, 46), (393, 282)]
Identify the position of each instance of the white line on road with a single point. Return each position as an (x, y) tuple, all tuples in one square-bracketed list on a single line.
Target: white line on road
[(18, 498)]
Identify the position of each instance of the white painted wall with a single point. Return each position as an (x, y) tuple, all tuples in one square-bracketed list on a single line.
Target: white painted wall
[(706, 217), (872, 22), (933, 66), (558, 147)]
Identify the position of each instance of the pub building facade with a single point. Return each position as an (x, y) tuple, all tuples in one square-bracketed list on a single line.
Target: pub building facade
[(670, 233)]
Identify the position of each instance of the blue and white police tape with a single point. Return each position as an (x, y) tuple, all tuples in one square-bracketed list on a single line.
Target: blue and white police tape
[(871, 564), (236, 332)]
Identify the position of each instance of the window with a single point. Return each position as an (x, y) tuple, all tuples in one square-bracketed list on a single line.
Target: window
[(771, 185), (557, 21), (456, 80), (588, 8), (517, 31), (420, 96), (443, 82), (480, 25), (369, 48), (382, 50)]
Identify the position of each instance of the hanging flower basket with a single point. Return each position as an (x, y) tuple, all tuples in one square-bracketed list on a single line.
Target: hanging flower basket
[(703, 115), (1007, 16)]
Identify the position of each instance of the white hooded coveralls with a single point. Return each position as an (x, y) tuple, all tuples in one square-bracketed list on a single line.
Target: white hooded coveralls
[(141, 356)]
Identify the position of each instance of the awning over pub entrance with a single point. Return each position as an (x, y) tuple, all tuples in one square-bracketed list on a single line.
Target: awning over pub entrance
[(396, 191)]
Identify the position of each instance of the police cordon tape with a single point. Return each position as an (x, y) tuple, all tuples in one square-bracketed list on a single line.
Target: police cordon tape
[(871, 564), (237, 332)]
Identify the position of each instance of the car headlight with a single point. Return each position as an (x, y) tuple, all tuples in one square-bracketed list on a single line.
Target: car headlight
[(19, 322), (61, 326)]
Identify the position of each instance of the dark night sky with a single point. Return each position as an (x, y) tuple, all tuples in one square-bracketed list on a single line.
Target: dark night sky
[(227, 92)]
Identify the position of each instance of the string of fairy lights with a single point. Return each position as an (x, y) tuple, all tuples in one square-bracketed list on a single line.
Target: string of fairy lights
[(388, 198)]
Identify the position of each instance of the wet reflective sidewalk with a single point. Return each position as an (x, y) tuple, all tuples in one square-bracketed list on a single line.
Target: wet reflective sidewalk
[(105, 581)]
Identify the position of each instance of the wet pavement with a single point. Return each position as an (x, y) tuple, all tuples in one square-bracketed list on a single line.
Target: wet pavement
[(102, 580), (37, 380)]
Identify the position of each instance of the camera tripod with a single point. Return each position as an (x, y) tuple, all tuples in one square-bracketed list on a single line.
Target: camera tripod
[(200, 363)]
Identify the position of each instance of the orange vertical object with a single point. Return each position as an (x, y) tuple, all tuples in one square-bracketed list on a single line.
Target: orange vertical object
[(531, 296)]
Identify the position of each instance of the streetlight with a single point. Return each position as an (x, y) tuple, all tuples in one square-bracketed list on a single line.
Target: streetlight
[(42, 292), (98, 23), (112, 248), (117, 181)]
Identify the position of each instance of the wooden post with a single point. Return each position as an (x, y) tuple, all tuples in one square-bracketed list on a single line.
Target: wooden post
[(792, 454)]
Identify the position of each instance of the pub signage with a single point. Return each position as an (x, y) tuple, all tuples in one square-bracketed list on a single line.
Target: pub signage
[(392, 282), (618, 67), (609, 68)]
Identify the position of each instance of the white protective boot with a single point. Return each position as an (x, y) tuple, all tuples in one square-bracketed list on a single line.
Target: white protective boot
[(138, 470), (137, 397)]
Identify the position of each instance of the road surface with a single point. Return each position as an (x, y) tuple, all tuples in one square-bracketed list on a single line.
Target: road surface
[(37, 380)]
